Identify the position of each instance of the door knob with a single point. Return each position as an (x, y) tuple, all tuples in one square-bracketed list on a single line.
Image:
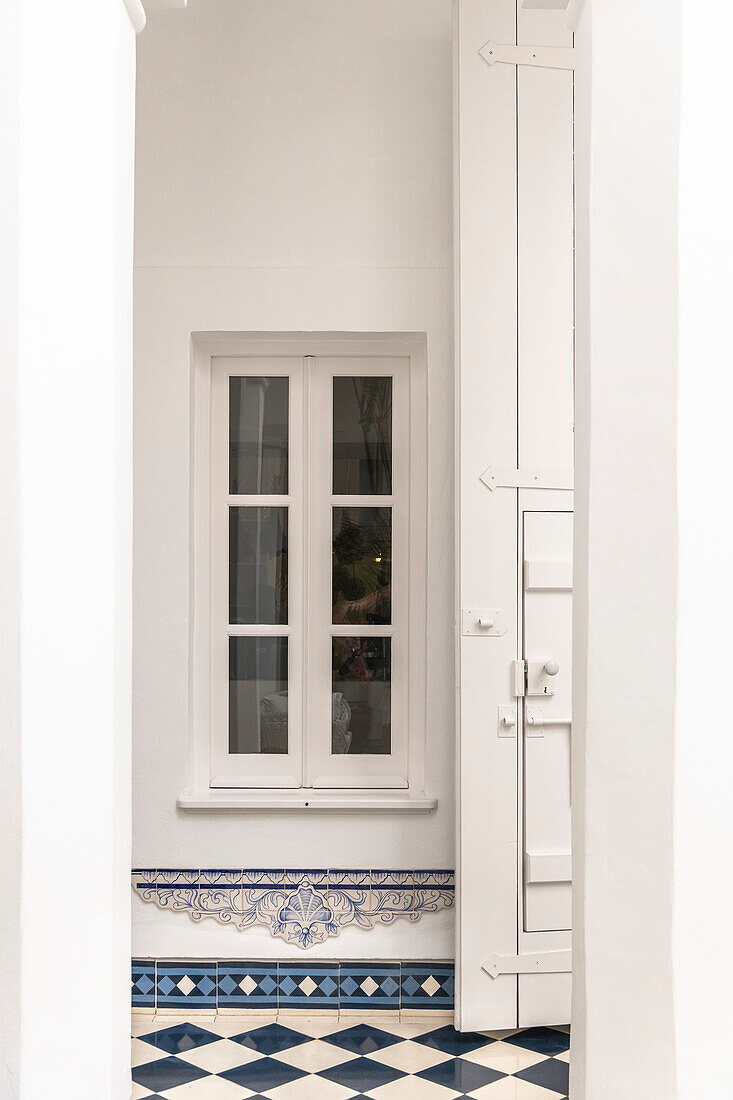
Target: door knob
[(551, 668)]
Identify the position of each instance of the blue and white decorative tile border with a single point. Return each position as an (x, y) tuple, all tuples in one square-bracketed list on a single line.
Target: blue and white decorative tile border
[(277, 986), (300, 907)]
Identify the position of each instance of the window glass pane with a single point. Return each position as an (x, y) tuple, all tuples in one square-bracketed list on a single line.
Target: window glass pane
[(258, 435), (362, 436), (361, 718), (258, 565), (258, 695), (362, 565)]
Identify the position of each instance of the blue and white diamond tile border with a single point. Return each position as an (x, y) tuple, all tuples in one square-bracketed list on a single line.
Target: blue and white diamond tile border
[(302, 907), (311, 986), (288, 1059)]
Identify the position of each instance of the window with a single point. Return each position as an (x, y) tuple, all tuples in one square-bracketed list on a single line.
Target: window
[(309, 543)]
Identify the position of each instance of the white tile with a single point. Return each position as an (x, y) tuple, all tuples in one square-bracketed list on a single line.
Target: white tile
[(142, 1053), (139, 1092), (499, 1034), (504, 1057), (511, 1088), (216, 1057), (413, 1088), (311, 1088), (441, 1018), (368, 1016), (408, 1029), (564, 1057), (315, 1056), (208, 1088), (141, 1025), (236, 1025), (293, 1013), (316, 1026), (408, 1056)]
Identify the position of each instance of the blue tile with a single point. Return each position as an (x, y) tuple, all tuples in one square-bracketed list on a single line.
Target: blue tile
[(270, 1039), (542, 1040), (427, 985), (362, 1073), (369, 985), (186, 985), (461, 1075), (180, 1038), (263, 1074), (143, 983), (549, 1074), (362, 1039), (246, 985), (166, 1073), (451, 1041), (313, 985)]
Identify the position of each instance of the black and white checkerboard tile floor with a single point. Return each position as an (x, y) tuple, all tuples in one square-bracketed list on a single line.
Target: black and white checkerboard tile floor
[(342, 1058)]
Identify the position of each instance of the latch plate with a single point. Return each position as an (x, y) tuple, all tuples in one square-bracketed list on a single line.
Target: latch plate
[(484, 623), (543, 962)]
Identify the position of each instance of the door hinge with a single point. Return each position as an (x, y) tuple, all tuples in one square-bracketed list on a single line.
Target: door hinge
[(544, 962), (507, 477), (542, 57)]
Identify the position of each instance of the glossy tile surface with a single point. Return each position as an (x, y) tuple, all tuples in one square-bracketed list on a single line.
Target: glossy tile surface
[(342, 1058)]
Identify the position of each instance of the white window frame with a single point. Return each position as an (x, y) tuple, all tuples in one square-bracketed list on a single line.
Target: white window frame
[(395, 782)]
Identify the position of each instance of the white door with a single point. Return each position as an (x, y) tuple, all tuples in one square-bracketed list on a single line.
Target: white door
[(515, 426)]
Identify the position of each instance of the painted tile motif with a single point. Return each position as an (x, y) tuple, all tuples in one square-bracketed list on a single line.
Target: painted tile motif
[(301, 907), (276, 986)]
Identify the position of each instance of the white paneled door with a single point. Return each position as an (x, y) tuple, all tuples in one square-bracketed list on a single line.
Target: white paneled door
[(515, 325)]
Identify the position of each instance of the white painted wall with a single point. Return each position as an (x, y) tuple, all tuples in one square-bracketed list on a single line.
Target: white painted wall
[(65, 547), (703, 894), (294, 173)]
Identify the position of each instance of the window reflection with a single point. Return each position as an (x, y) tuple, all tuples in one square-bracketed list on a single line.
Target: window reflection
[(361, 701), (258, 565), (362, 565), (362, 436), (258, 435), (258, 695)]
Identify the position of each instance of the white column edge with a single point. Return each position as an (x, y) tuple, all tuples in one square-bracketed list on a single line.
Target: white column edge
[(137, 14)]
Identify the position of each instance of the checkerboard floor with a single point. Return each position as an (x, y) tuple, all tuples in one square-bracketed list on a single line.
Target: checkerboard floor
[(342, 1058)]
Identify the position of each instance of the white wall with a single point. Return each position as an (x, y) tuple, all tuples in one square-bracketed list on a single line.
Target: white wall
[(65, 548), (703, 894), (624, 733), (294, 173)]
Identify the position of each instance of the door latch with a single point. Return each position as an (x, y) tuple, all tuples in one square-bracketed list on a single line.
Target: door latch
[(533, 678)]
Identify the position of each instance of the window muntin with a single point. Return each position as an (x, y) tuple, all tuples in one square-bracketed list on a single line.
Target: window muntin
[(314, 630)]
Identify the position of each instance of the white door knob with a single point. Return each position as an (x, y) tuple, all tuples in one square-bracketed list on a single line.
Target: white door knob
[(551, 668)]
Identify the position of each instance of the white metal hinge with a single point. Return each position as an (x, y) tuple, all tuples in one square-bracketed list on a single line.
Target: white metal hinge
[(543, 57), (544, 962), (506, 477)]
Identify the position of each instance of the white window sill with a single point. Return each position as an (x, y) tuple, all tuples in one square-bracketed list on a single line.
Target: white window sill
[(304, 801)]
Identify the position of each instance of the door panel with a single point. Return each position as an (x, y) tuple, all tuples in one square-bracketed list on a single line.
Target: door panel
[(547, 613)]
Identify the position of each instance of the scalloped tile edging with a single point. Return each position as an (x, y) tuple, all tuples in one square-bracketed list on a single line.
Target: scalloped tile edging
[(301, 907)]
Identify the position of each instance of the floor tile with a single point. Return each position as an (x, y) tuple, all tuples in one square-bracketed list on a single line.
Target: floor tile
[(413, 1088), (263, 1075), (165, 1073), (270, 1039), (409, 1056), (504, 1057), (220, 1056), (564, 1056), (550, 1074), (315, 1056), (458, 1074), (361, 1038), (544, 1040), (311, 1088), (451, 1041), (236, 1024), (142, 1052), (208, 1088), (511, 1088), (180, 1038), (362, 1073), (314, 1026)]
